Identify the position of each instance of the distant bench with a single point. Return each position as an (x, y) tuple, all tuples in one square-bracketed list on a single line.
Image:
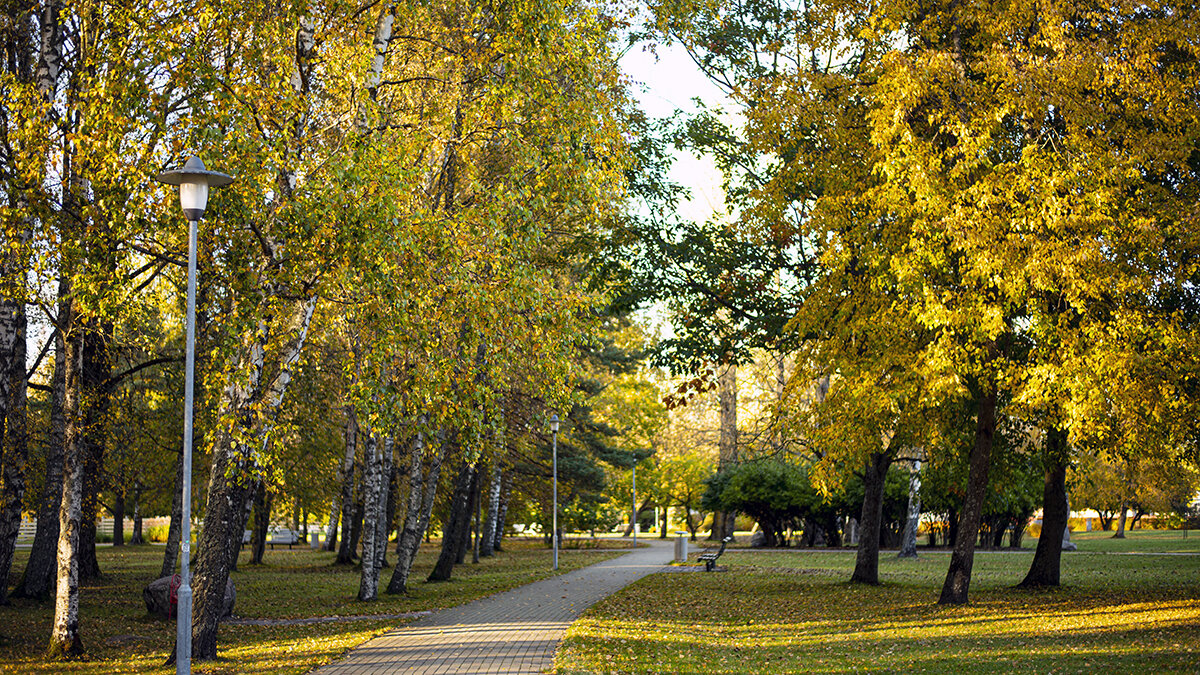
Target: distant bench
[(281, 536), (284, 536), (710, 558)]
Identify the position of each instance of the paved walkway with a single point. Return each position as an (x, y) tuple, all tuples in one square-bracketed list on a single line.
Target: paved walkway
[(508, 633)]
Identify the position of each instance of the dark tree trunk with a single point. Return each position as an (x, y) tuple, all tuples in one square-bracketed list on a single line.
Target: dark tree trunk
[(175, 530), (118, 533), (642, 507), (1018, 533), (262, 518), (998, 533), (1046, 567), (456, 522), (245, 524), (866, 564), (421, 493), (136, 539), (97, 369), (958, 576), (14, 442), (38, 580), (464, 532), (952, 516), (345, 554), (356, 522), (220, 541)]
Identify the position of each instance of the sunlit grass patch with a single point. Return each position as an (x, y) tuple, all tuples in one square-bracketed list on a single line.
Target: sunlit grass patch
[(791, 612), (121, 638)]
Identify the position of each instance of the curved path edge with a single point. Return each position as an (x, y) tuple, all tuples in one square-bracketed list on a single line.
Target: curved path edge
[(513, 632)]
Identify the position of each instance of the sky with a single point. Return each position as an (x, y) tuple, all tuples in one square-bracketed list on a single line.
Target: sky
[(667, 82)]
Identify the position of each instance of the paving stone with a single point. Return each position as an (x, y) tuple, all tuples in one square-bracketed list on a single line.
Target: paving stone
[(509, 633)]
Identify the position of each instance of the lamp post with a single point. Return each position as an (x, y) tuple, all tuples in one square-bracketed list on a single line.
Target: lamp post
[(635, 513), (554, 468), (193, 181)]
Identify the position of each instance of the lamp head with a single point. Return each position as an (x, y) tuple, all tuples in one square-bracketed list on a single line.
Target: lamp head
[(193, 181), (554, 422)]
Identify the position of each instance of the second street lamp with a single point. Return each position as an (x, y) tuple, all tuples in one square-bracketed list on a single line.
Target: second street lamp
[(554, 470), (193, 181)]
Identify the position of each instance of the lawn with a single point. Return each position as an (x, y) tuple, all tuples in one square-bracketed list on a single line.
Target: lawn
[(121, 638), (792, 612)]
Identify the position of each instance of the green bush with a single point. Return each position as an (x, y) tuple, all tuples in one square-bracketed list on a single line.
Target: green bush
[(158, 533)]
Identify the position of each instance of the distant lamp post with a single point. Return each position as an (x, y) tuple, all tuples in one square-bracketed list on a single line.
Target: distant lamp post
[(554, 465), (193, 181), (635, 509)]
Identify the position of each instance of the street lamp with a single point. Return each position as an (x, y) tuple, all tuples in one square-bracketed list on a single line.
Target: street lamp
[(193, 181), (554, 524), (635, 509)]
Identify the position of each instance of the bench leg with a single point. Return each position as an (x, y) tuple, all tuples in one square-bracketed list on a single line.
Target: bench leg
[(708, 565)]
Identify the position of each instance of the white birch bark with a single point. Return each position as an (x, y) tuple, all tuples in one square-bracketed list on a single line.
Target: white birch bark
[(908, 541), (64, 635), (345, 478), (488, 535), (368, 588)]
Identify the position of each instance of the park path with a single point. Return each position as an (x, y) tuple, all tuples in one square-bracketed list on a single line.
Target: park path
[(512, 632)]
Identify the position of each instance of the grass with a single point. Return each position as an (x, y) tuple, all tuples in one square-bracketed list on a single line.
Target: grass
[(792, 612), (120, 637)]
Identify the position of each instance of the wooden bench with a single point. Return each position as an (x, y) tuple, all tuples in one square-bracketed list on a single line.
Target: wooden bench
[(284, 536), (710, 558)]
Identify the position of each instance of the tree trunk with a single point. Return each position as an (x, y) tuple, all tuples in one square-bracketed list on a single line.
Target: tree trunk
[(727, 391), (488, 545), (345, 478), (118, 533), (14, 441), (356, 520), (1121, 519), (386, 525), (372, 495), (478, 499), (908, 541), (421, 493), (175, 529), (958, 576), (456, 522), (95, 399), (464, 531), (40, 570), (262, 519), (220, 540), (1045, 568), (505, 490), (136, 539), (64, 636), (251, 405), (866, 564), (644, 505), (350, 497)]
